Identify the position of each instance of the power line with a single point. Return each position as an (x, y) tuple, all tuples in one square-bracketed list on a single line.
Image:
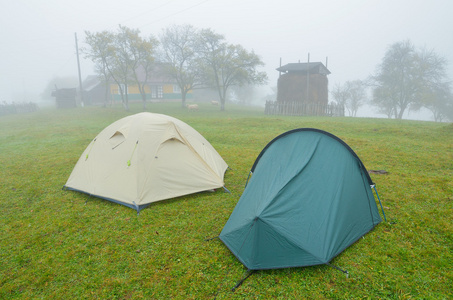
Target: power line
[(149, 10), (176, 13)]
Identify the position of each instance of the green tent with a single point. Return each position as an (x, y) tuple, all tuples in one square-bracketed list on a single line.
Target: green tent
[(308, 199)]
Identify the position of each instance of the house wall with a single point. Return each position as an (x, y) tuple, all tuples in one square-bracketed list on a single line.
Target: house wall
[(95, 96), (65, 98), (133, 89), (292, 87), (158, 91)]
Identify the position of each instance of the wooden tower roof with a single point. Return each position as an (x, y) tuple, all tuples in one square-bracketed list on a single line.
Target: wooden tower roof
[(312, 68)]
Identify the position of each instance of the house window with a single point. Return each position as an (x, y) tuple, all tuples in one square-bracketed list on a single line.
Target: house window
[(157, 91), (176, 89)]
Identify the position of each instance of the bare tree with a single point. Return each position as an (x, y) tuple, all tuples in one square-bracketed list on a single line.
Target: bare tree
[(341, 94), (356, 96), (350, 95)]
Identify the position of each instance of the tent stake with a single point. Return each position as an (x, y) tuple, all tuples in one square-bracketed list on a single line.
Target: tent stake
[(339, 269), (374, 186), (249, 273)]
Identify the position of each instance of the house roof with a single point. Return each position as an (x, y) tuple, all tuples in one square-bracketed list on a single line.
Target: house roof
[(312, 67), (90, 82), (156, 77)]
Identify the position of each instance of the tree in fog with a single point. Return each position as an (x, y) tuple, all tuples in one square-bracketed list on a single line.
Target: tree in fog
[(180, 59), (272, 96), (244, 94), (123, 61), (440, 103), (395, 81), (137, 56), (340, 94), (146, 59), (192, 58), (100, 51), (351, 95), (357, 96), (436, 92), (405, 77), (120, 57), (439, 100), (448, 112), (226, 65)]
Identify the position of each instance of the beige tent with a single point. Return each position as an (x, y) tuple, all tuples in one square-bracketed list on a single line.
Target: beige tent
[(146, 158)]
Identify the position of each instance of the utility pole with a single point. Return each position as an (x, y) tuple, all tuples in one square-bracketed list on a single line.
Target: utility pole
[(78, 66)]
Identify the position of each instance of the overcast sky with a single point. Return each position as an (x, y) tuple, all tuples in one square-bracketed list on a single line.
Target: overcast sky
[(38, 44)]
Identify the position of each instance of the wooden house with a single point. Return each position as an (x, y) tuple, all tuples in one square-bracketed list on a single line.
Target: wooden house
[(303, 83), (94, 91), (65, 98)]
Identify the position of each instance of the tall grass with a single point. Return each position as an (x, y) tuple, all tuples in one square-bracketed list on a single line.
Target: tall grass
[(57, 244)]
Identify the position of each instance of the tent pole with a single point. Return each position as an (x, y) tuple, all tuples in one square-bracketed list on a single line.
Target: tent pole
[(380, 202), (248, 179)]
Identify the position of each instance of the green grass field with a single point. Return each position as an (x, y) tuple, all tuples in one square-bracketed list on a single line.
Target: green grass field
[(57, 244)]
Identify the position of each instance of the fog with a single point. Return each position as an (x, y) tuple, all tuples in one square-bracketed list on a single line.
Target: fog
[(38, 42)]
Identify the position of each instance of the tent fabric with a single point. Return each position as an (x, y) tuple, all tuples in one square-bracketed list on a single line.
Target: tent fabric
[(144, 158), (308, 199)]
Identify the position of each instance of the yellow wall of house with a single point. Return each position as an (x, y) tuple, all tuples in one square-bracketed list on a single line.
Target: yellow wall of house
[(133, 89), (167, 88), (114, 89)]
